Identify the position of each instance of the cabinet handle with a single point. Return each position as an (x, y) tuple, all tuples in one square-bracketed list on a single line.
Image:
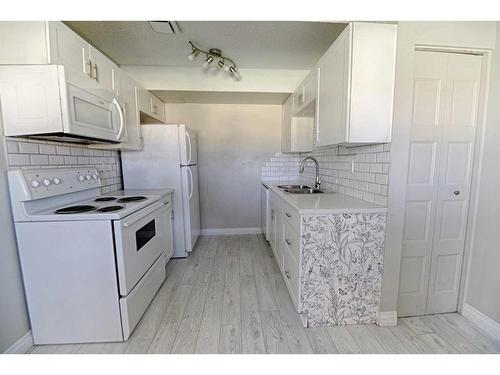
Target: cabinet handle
[(155, 109), (89, 65), (287, 274), (96, 73), (301, 99), (288, 242), (287, 214), (456, 192)]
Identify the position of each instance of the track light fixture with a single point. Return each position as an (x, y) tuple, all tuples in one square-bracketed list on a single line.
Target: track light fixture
[(223, 62)]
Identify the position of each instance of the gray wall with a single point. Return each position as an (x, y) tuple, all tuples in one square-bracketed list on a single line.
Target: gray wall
[(13, 314), (483, 290), (234, 142)]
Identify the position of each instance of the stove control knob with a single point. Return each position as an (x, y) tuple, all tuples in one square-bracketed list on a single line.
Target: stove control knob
[(94, 176), (88, 177), (35, 183), (56, 181), (46, 182), (81, 178)]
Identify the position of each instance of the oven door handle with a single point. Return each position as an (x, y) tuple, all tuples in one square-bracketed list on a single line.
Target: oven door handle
[(142, 214)]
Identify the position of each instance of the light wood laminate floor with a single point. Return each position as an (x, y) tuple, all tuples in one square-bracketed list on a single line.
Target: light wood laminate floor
[(229, 297)]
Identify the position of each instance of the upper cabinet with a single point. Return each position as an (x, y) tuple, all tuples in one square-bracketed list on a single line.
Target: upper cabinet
[(127, 88), (85, 67), (152, 109), (305, 95), (356, 86), (296, 132)]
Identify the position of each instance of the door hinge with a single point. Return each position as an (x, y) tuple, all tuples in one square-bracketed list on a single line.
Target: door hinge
[(171, 215)]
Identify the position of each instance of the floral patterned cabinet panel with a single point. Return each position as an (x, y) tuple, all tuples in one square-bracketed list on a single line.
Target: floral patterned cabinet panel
[(341, 268)]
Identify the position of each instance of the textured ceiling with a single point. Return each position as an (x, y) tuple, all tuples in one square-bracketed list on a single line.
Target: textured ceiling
[(260, 45)]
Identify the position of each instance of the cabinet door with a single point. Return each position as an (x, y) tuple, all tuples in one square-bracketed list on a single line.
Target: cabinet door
[(302, 134), (334, 72), (272, 225), (143, 100), (128, 95), (298, 99), (68, 49), (157, 108), (310, 87), (102, 70), (286, 125), (279, 238)]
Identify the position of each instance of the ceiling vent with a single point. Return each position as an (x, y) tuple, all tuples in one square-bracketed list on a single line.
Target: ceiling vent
[(165, 27)]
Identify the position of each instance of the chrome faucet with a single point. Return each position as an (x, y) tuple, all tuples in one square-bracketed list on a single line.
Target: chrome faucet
[(317, 184)]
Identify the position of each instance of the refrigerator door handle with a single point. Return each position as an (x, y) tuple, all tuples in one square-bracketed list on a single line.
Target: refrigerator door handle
[(189, 143), (190, 182)]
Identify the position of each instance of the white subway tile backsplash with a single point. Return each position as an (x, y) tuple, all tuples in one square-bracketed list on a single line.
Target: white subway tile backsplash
[(12, 147), (63, 150), (56, 159), (28, 148), (39, 159), (47, 149), (30, 154), (368, 182), (19, 159)]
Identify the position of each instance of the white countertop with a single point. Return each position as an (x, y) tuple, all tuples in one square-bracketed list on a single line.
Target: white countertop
[(323, 203)]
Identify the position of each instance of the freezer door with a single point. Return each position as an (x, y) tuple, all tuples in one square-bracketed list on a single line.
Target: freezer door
[(191, 203), (188, 146)]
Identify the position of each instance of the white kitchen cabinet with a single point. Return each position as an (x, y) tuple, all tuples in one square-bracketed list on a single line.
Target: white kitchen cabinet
[(296, 132), (53, 42), (150, 106), (66, 48), (102, 69), (127, 89), (356, 86), (305, 95)]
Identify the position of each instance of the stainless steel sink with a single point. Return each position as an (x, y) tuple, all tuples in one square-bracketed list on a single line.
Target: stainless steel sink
[(303, 191), (283, 187)]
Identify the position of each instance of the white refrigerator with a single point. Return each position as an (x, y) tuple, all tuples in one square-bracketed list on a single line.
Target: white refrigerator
[(169, 159)]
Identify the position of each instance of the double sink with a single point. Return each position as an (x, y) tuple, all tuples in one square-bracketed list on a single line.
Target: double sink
[(299, 189)]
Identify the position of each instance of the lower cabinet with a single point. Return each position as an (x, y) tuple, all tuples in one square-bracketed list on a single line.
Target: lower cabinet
[(285, 242), (331, 263)]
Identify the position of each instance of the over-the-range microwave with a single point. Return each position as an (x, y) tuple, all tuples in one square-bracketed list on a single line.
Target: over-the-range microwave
[(37, 101)]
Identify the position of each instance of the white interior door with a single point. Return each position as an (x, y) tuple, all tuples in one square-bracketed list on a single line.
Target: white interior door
[(445, 104)]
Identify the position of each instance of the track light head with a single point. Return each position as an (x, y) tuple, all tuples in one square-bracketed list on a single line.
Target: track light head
[(194, 54), (208, 61), (234, 73)]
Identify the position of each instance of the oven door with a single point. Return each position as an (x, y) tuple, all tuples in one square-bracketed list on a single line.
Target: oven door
[(95, 117), (140, 239)]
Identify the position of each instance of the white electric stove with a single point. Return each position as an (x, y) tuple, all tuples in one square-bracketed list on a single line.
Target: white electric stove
[(91, 263)]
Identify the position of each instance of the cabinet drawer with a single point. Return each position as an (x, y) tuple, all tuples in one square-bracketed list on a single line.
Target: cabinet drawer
[(291, 216), (291, 276), (291, 240)]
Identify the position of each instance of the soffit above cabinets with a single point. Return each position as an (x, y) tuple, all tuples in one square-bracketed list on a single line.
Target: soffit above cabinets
[(218, 97), (252, 44)]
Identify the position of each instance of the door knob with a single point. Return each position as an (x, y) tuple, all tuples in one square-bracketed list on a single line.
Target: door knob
[(456, 192)]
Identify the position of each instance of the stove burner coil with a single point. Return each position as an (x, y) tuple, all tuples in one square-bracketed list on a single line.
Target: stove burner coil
[(75, 209), (110, 208), (131, 199), (105, 199)]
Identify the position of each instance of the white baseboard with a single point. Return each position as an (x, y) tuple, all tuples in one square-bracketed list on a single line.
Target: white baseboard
[(226, 231), (21, 346), (487, 325), (387, 318)]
